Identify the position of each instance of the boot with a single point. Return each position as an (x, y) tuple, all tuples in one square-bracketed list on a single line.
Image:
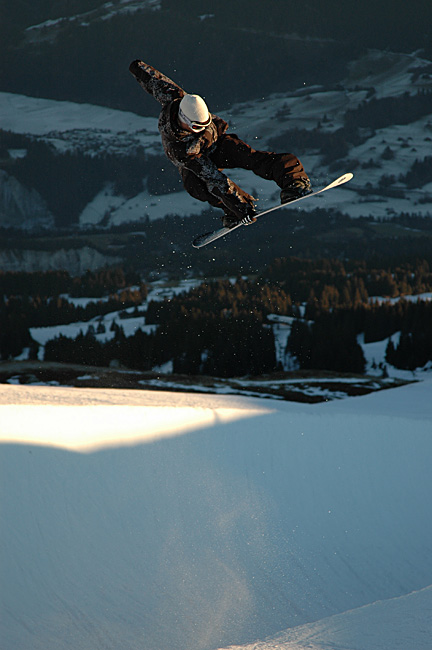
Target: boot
[(229, 220), (295, 188)]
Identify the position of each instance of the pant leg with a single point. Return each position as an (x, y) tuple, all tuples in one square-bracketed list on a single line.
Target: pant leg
[(231, 152), (198, 189)]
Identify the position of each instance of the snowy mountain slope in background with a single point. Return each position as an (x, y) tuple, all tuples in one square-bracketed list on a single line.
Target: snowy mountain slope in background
[(19, 204), (70, 126), (52, 29), (159, 520), (97, 130)]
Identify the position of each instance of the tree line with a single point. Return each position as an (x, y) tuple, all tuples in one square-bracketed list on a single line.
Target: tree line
[(19, 314), (219, 347), (330, 342), (377, 113), (221, 328), (329, 283), (216, 329), (37, 300), (92, 284), (414, 347), (339, 305)]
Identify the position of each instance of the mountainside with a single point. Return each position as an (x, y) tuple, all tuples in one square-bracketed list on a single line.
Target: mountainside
[(377, 123), (21, 205), (285, 79), (240, 47)]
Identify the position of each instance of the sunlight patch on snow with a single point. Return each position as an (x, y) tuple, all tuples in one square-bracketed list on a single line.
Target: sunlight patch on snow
[(86, 425)]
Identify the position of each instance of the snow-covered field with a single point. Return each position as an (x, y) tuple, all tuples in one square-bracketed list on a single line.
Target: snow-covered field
[(153, 521)]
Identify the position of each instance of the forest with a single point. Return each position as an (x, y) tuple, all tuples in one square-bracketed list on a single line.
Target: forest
[(221, 328), (37, 300), (378, 113)]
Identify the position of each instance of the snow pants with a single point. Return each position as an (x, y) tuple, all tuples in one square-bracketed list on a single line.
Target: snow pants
[(229, 152)]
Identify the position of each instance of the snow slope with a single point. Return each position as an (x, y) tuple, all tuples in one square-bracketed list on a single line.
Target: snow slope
[(159, 520)]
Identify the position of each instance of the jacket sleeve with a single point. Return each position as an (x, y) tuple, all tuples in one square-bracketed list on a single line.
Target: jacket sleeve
[(162, 88), (220, 186)]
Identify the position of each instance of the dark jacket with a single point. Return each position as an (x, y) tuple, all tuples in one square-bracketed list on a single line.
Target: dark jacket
[(200, 157), (189, 151)]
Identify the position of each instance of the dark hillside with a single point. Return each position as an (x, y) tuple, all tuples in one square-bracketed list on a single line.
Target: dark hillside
[(225, 51)]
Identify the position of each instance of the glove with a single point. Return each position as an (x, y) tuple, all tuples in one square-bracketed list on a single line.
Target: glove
[(234, 205), (295, 188)]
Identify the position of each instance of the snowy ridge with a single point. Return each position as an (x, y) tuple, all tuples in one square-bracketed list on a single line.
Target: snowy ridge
[(151, 520), (107, 10)]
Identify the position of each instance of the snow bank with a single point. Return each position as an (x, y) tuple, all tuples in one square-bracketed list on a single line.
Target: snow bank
[(196, 522)]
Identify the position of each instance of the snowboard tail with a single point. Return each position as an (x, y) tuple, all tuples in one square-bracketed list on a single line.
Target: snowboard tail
[(209, 237)]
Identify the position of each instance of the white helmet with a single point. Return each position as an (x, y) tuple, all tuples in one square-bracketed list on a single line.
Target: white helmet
[(193, 110)]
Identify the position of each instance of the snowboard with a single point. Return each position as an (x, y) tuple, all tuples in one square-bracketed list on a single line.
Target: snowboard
[(209, 237)]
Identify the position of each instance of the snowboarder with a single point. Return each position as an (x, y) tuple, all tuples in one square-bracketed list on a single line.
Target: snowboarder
[(198, 144)]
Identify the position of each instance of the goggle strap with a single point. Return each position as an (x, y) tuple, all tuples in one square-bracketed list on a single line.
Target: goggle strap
[(198, 126)]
